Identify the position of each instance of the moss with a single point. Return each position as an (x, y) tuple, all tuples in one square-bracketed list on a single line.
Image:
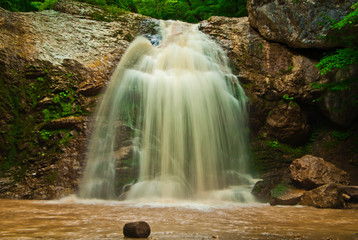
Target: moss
[(24, 111), (279, 190), (50, 177), (109, 14)]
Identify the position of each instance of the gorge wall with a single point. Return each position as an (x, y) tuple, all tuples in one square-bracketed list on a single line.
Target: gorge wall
[(55, 63)]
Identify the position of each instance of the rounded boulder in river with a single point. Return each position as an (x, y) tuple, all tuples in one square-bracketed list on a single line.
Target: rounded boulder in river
[(136, 230)]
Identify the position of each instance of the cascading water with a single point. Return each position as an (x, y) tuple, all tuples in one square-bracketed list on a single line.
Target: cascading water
[(190, 121)]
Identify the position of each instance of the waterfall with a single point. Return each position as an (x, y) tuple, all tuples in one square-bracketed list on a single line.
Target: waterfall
[(189, 116)]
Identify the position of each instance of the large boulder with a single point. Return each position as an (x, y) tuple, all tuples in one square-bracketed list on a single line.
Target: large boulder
[(326, 196), (287, 123), (298, 24), (268, 71), (311, 172)]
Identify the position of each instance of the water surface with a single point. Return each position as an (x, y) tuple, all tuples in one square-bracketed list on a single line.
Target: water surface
[(88, 219)]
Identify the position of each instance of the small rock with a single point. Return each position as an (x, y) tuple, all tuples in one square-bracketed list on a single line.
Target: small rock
[(291, 198), (136, 229)]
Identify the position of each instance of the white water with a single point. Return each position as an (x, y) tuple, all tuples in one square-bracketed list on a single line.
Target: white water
[(189, 115)]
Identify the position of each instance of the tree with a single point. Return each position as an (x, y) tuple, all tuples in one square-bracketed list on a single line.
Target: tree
[(17, 5)]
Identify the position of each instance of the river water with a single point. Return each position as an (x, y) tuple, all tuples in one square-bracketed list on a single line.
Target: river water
[(87, 219)]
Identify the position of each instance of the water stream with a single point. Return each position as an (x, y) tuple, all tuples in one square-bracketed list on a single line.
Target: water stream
[(188, 112), (97, 219)]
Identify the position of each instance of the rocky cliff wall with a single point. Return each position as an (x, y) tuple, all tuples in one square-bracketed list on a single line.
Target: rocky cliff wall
[(55, 63), (53, 67)]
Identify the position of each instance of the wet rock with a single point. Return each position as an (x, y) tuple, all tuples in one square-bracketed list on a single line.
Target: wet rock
[(69, 122), (293, 197), (326, 196), (340, 106), (287, 123), (262, 189), (268, 71), (299, 24), (136, 230), (310, 172), (351, 191), (91, 88), (41, 55), (76, 8)]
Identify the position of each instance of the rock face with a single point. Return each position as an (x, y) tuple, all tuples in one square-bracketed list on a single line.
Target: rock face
[(338, 106), (268, 71), (262, 189), (326, 196), (287, 123), (290, 198), (310, 172), (351, 191), (298, 24), (53, 65)]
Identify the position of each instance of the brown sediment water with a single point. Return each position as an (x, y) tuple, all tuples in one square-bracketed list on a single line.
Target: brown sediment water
[(97, 219)]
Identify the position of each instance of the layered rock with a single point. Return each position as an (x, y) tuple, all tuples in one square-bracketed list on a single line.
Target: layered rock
[(310, 172), (340, 106), (53, 66), (298, 24), (325, 196), (268, 71), (302, 24), (292, 197), (287, 123)]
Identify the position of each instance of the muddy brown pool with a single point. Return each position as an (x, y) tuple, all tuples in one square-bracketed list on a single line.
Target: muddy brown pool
[(75, 219)]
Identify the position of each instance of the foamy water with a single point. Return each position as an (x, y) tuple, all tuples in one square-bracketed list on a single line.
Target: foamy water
[(188, 112)]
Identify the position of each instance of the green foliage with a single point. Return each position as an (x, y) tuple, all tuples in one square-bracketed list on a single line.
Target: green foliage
[(288, 70), (17, 5), (185, 10), (64, 105), (47, 4), (65, 138), (273, 144), (279, 190), (94, 2), (341, 135), (111, 13), (349, 20), (287, 98), (294, 152), (45, 135), (341, 59)]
